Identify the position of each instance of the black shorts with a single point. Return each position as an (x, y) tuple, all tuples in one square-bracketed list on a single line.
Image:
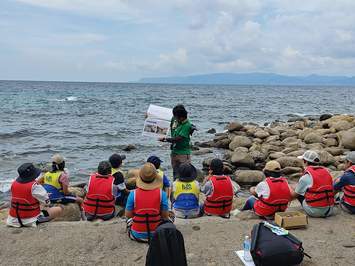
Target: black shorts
[(65, 199)]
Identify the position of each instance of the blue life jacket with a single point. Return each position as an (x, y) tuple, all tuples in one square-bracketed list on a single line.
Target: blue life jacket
[(53, 192), (186, 202)]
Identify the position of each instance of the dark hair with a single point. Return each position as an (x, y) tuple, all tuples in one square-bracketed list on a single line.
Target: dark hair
[(104, 168), (271, 173), (180, 111), (217, 167), (115, 160), (58, 167), (155, 161)]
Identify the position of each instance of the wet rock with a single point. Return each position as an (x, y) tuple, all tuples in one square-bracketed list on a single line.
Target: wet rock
[(211, 131), (202, 152), (234, 126), (249, 176), (348, 139), (240, 141), (324, 117), (242, 159), (313, 138), (129, 147), (290, 161), (241, 149), (222, 144), (206, 144)]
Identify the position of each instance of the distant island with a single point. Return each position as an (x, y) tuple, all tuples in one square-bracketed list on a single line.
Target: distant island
[(253, 79)]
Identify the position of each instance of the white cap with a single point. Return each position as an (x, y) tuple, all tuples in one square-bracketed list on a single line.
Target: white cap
[(350, 157), (310, 156), (57, 158)]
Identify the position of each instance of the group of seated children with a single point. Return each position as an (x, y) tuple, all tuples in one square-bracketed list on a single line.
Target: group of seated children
[(149, 203)]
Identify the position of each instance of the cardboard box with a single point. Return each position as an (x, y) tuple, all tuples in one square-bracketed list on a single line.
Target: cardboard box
[(291, 220)]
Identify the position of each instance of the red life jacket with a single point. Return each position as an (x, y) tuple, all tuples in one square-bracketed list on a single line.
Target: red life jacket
[(278, 200), (349, 190), (321, 194), (220, 202), (99, 200), (23, 204), (146, 213)]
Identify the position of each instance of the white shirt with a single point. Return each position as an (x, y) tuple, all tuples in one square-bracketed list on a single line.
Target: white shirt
[(39, 193)]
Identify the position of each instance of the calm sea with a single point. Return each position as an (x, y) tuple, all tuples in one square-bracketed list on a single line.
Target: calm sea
[(87, 122)]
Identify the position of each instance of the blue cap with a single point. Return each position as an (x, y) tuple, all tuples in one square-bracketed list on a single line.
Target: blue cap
[(154, 160)]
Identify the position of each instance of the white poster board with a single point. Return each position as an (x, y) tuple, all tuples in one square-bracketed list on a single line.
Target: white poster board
[(157, 123)]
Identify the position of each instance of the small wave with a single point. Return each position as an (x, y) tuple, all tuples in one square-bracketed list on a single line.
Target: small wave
[(16, 134), (67, 99)]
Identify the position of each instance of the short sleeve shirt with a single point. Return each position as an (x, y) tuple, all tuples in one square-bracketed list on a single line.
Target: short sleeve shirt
[(183, 129), (304, 183)]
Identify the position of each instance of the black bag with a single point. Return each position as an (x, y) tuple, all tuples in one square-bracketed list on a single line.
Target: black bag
[(269, 249), (167, 247)]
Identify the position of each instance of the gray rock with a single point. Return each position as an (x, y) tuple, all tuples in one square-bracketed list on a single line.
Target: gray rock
[(249, 176), (261, 134), (202, 152), (325, 117), (70, 213), (348, 139), (241, 149), (325, 157), (290, 161), (342, 125), (234, 126), (242, 159), (335, 151), (258, 156), (296, 153), (240, 141), (206, 144), (276, 155), (222, 144), (313, 138), (329, 142), (291, 170)]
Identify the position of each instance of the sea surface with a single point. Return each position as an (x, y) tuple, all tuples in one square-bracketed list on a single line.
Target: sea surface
[(87, 122)]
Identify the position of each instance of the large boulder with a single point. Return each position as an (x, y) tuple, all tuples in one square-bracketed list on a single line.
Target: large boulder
[(77, 191), (276, 155), (242, 159), (335, 151), (348, 139), (241, 149), (325, 117), (313, 138), (258, 156), (342, 125), (302, 134), (325, 157), (223, 143), (290, 161), (249, 176), (296, 153), (234, 126), (261, 134), (291, 170), (329, 142), (240, 141)]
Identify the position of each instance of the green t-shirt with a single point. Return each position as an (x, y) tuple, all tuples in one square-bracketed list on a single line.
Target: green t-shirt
[(183, 130)]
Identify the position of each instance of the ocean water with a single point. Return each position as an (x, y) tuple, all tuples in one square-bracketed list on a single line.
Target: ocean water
[(87, 122)]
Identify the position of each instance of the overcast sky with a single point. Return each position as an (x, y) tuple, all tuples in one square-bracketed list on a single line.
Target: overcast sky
[(124, 40)]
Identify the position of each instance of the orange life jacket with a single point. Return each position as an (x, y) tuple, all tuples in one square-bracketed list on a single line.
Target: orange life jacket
[(146, 213), (349, 190), (220, 202), (23, 204), (278, 200), (99, 200), (321, 194)]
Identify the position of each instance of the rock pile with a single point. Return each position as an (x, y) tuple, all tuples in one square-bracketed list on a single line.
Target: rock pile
[(247, 147)]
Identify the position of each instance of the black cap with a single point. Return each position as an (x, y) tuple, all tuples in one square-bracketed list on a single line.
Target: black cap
[(187, 172), (154, 160), (116, 160), (217, 166), (104, 168), (28, 172)]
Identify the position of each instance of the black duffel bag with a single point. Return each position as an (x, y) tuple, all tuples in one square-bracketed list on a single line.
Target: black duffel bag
[(269, 249)]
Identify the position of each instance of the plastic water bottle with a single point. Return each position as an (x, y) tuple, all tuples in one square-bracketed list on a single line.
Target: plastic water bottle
[(246, 246)]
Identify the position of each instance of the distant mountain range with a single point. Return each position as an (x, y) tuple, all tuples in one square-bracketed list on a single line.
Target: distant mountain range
[(253, 79)]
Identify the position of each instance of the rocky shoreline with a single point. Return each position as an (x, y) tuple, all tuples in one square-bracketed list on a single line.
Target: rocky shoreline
[(246, 147)]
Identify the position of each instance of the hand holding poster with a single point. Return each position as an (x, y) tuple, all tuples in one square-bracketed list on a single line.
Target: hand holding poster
[(158, 120)]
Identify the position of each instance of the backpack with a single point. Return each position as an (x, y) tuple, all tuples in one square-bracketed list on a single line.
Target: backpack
[(166, 247), (269, 249)]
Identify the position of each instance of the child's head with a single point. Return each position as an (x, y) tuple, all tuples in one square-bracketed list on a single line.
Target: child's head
[(116, 160), (155, 160), (216, 167)]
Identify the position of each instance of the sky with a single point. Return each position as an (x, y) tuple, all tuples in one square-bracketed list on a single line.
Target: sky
[(125, 40)]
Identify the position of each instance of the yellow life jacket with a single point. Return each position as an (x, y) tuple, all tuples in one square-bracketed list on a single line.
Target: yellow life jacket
[(186, 188), (116, 170), (161, 174), (52, 178)]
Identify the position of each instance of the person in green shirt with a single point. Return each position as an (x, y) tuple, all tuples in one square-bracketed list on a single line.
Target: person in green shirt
[(181, 130)]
